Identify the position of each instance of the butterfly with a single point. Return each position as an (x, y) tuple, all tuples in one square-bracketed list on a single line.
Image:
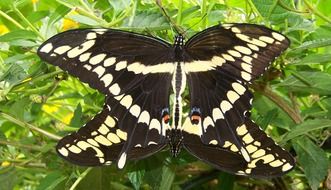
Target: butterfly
[(138, 73)]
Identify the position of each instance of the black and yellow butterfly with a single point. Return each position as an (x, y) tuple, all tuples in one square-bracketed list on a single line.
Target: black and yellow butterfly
[(137, 73)]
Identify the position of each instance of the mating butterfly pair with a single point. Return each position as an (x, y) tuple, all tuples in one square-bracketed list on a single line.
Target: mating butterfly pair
[(138, 73)]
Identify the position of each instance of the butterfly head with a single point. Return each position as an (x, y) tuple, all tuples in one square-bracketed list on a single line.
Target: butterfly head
[(175, 138), (179, 40)]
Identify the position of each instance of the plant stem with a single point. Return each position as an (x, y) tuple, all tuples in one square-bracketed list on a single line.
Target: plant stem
[(282, 4), (29, 126), (266, 91), (11, 19), (179, 13), (16, 144), (36, 79), (34, 29), (316, 12), (80, 177), (203, 13), (83, 12)]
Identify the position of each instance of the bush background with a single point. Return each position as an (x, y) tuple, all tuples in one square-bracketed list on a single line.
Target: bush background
[(40, 103)]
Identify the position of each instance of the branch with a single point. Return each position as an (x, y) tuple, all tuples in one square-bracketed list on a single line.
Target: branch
[(278, 100), (29, 126)]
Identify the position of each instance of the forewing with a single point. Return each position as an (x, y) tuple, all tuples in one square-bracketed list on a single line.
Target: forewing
[(267, 159), (111, 61), (243, 51)]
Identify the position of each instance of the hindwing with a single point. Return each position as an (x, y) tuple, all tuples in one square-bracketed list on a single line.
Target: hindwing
[(129, 127), (263, 158)]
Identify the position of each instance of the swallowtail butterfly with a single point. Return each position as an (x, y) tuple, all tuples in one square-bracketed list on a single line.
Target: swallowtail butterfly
[(137, 73)]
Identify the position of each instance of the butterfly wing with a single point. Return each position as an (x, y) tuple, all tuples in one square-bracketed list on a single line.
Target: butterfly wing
[(130, 127), (134, 71), (243, 51), (110, 61), (267, 159), (219, 62)]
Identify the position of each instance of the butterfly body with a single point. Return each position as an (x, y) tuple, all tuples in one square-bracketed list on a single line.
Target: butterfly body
[(138, 73)]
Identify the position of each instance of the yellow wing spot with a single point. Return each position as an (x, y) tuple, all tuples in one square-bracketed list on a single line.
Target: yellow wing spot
[(276, 163), (248, 171), (192, 129), (113, 138), (243, 49), (277, 36), (103, 140), (235, 30), (266, 39), (103, 129), (74, 149), (234, 148), (248, 139), (287, 167), (121, 134), (63, 151), (84, 145), (93, 142), (268, 158), (101, 160), (227, 144), (234, 53), (248, 59), (253, 47), (246, 76), (258, 153), (228, 57), (213, 142), (110, 122), (251, 148), (257, 143), (242, 130)]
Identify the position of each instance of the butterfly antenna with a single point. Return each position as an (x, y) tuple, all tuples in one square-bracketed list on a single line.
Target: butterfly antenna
[(170, 20), (195, 24)]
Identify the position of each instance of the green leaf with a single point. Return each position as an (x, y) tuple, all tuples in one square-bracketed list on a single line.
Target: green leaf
[(312, 159), (58, 14), (146, 20), (51, 181), (84, 20), (8, 178), (37, 16), (18, 57), (168, 176), (313, 59), (17, 109), (76, 120), (268, 118), (23, 43), (312, 44), (17, 35), (308, 82), (136, 178), (226, 180), (272, 11), (306, 127)]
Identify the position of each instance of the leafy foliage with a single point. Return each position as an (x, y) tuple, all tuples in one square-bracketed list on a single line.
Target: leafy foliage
[(40, 103)]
